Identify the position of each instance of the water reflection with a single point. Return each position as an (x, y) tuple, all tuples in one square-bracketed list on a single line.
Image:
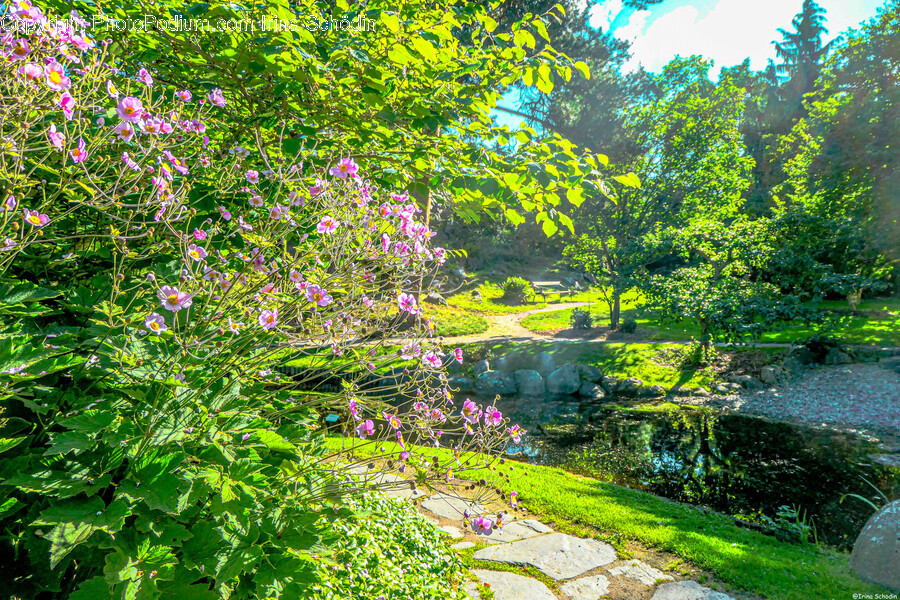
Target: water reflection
[(733, 464)]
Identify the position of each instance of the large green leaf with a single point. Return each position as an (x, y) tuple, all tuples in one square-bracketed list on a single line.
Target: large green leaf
[(76, 520)]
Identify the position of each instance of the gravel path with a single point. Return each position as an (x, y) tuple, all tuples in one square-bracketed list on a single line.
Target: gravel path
[(859, 398)]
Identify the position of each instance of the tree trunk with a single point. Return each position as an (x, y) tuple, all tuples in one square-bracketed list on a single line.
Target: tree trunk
[(615, 310)]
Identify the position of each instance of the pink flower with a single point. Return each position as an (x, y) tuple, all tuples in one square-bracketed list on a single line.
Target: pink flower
[(432, 360), (344, 168), (470, 411), (216, 98), (295, 276), (56, 77), (56, 138), (354, 410), (125, 131), (78, 154), (155, 323), (111, 89), (9, 204), (318, 295), (184, 95), (268, 319), (130, 109), (145, 77), (295, 199), (277, 212), (482, 525), (172, 299), (516, 433), (514, 499), (327, 225), (32, 72), (492, 416), (458, 355), (365, 429), (234, 327), (129, 162), (199, 235), (67, 103), (196, 252), (151, 126), (225, 214), (35, 218), (407, 303), (252, 176), (256, 200), (20, 49), (409, 351), (392, 420), (243, 224)]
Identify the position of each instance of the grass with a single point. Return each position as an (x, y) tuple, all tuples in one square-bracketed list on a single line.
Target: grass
[(490, 302), (848, 328), (451, 321), (741, 558)]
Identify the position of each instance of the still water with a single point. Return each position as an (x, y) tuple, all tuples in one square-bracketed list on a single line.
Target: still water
[(733, 464)]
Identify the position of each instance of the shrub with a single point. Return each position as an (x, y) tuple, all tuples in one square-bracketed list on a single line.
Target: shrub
[(154, 272), (515, 290), (582, 319), (629, 325)]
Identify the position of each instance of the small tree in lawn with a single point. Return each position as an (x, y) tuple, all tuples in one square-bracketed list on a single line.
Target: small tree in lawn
[(718, 289)]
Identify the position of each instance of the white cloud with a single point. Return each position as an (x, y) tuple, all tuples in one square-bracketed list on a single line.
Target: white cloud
[(603, 14), (732, 31)]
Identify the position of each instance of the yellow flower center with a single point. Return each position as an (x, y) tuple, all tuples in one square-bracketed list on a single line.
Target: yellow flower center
[(129, 110), (55, 77), (34, 219), (317, 295), (154, 326), (173, 298)]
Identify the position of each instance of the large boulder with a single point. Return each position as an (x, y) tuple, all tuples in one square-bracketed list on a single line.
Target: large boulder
[(770, 375), (630, 387), (501, 364), (836, 356), (482, 366), (529, 382), (563, 381), (591, 391), (492, 383), (747, 381), (892, 363), (876, 553), (589, 373), (545, 364), (609, 384), (435, 298), (464, 384)]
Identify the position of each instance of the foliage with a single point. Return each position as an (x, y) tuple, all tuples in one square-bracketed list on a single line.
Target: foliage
[(629, 325), (391, 552), (405, 89), (581, 319), (155, 277), (515, 290)]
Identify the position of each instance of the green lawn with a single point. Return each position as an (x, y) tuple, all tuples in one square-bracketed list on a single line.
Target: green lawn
[(850, 329), (450, 321), (739, 557)]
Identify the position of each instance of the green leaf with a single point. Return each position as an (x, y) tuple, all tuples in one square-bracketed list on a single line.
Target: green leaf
[(545, 79), (575, 196), (425, 48), (9, 506), (515, 218), (76, 520), (390, 21), (630, 180), (549, 227), (524, 39), (273, 441), (489, 24), (583, 69), (10, 443)]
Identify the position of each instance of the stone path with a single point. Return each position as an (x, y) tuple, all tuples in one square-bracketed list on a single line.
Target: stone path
[(581, 568), (584, 568)]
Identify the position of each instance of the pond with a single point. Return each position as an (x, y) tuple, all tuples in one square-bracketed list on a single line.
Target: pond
[(739, 465)]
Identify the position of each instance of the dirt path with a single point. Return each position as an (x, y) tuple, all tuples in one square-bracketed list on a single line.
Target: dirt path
[(508, 328)]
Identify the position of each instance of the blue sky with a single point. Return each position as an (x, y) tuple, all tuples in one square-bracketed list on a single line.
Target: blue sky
[(727, 31)]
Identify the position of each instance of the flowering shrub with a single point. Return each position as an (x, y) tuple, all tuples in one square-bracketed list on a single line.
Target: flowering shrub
[(155, 271)]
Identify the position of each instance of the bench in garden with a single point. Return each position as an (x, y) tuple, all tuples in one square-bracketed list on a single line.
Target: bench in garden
[(550, 287)]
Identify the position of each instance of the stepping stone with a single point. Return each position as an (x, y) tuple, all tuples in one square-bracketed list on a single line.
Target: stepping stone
[(586, 588), (450, 507), (462, 545), (509, 586), (687, 590), (452, 531), (641, 571), (517, 530), (556, 555)]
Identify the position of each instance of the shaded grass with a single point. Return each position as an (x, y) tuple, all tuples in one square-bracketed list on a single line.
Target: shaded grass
[(739, 557), (491, 304)]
